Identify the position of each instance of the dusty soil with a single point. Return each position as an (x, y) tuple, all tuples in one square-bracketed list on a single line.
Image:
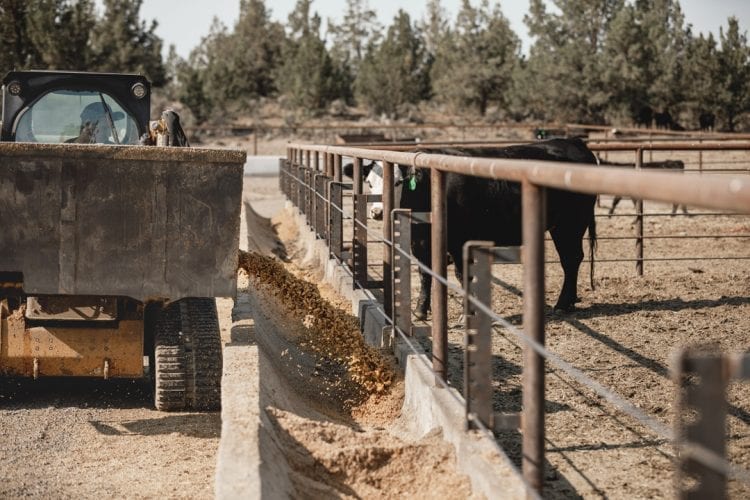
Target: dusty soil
[(82, 438), (85, 439)]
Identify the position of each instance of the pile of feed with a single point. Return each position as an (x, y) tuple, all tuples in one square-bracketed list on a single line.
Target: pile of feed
[(328, 332), (332, 401)]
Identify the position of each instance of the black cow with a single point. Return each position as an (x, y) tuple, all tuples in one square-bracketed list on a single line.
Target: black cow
[(659, 165), (665, 121), (707, 121), (485, 209), (643, 116)]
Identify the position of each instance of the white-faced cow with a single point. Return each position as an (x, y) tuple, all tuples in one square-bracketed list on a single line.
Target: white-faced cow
[(486, 209), (372, 173)]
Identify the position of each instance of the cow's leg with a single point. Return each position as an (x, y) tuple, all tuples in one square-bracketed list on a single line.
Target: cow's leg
[(674, 208), (425, 295), (421, 250), (456, 254), (568, 243), (615, 201)]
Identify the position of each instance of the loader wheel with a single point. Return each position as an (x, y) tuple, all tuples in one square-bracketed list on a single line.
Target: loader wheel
[(187, 356)]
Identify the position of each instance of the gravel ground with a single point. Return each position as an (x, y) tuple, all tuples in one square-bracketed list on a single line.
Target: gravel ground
[(65, 438)]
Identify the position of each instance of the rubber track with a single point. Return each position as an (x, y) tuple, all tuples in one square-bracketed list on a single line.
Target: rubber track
[(170, 370), (203, 352), (188, 356)]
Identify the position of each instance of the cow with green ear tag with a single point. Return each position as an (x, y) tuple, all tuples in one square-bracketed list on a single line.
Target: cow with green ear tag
[(490, 210)]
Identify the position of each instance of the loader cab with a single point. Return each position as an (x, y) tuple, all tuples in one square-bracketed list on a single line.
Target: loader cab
[(74, 107)]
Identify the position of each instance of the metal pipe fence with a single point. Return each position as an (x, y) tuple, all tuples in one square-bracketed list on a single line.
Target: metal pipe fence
[(638, 150), (718, 192)]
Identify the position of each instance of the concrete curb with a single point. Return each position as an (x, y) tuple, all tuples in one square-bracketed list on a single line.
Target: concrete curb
[(490, 471)]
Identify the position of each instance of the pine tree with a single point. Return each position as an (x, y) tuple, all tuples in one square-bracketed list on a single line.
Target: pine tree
[(703, 71), (393, 73), (434, 27), (306, 77), (626, 72), (562, 78), (16, 50), (474, 65), (122, 42), (190, 88), (255, 53), (349, 40), (734, 63), (60, 31), (216, 71), (357, 30), (663, 24)]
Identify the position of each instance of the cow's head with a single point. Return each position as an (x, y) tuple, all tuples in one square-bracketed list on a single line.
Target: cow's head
[(374, 181), (415, 193)]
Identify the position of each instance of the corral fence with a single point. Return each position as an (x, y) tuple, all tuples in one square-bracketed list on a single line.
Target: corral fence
[(311, 177), (635, 152), (396, 132)]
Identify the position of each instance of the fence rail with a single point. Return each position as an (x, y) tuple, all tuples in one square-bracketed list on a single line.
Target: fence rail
[(717, 192)]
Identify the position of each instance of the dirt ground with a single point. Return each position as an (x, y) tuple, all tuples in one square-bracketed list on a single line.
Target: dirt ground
[(62, 438), (83, 438)]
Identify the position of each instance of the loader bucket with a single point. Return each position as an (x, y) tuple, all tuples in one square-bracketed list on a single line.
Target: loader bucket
[(142, 222)]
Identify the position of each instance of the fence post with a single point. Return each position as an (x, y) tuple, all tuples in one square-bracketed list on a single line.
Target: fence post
[(359, 245), (401, 232), (439, 243), (336, 220), (639, 220), (478, 336), (337, 168), (388, 202), (357, 175), (701, 382), (533, 200), (309, 193), (300, 189)]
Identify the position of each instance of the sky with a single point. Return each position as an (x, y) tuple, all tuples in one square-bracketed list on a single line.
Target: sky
[(184, 22)]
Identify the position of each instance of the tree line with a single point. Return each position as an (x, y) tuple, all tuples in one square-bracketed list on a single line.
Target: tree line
[(71, 35), (590, 61)]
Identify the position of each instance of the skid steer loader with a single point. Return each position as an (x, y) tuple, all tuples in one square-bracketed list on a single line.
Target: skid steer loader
[(112, 252)]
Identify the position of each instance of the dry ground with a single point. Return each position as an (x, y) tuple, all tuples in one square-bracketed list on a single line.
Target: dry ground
[(90, 439)]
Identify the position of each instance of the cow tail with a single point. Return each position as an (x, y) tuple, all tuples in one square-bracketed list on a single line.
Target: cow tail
[(592, 248)]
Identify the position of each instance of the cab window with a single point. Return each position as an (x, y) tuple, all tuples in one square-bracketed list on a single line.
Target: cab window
[(72, 116)]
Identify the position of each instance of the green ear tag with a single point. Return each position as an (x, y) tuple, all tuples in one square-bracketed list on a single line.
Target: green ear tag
[(413, 184)]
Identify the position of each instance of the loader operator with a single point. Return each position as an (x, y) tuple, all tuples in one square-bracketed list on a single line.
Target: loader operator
[(97, 125)]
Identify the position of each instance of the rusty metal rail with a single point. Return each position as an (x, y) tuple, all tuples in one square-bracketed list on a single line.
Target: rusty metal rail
[(719, 192)]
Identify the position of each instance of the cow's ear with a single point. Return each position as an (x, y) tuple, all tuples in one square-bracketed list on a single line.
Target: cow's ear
[(366, 168), (416, 177)]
